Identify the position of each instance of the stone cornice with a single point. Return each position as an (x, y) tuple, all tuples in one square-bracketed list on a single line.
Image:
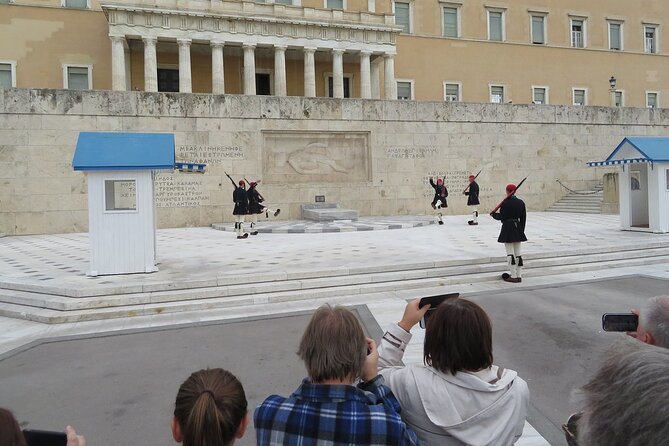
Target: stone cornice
[(247, 28)]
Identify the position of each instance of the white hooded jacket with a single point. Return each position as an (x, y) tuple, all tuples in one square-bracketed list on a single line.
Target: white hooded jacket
[(473, 409)]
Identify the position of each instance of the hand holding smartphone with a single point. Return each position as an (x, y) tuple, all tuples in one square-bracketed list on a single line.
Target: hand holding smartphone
[(44, 438), (620, 322), (434, 302)]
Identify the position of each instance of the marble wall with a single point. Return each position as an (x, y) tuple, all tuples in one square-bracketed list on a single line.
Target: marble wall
[(370, 155)]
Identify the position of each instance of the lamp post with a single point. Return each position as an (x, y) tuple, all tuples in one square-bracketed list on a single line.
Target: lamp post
[(612, 90)]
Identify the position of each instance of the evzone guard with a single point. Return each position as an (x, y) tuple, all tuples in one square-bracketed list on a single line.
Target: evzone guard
[(440, 194), (513, 215), (256, 207), (472, 192), (240, 198)]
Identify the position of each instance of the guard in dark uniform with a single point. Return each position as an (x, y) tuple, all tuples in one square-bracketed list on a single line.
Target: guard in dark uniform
[(240, 197), (440, 194), (472, 193), (255, 206), (512, 214)]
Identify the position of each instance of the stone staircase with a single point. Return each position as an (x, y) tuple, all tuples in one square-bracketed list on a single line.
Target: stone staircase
[(51, 306), (583, 202)]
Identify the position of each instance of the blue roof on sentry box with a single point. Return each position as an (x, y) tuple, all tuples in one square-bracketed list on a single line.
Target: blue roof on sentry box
[(655, 149), (124, 151)]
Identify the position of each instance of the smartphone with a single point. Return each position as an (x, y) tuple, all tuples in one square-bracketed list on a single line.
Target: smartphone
[(433, 302), (620, 322), (44, 438)]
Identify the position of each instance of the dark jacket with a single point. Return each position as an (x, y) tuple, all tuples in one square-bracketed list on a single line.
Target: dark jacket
[(439, 189), (254, 201), (473, 194), (512, 214), (240, 197)]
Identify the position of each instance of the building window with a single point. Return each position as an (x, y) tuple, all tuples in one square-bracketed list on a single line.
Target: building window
[(540, 95), (335, 4), (497, 94), (650, 38), (580, 96), (451, 19), (651, 99), (578, 33), (347, 86), (284, 2), (7, 74), (667, 172), (615, 36), (403, 16), (405, 90), (452, 92), (7, 1), (496, 25), (620, 99), (79, 4), (77, 77), (538, 29), (168, 80), (120, 195)]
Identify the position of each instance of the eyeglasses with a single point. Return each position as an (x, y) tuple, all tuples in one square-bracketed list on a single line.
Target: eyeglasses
[(570, 428)]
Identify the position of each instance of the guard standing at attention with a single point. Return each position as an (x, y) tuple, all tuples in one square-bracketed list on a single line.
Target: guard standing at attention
[(513, 215)]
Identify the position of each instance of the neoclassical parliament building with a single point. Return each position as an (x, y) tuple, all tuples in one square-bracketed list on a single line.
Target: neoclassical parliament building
[(567, 52)]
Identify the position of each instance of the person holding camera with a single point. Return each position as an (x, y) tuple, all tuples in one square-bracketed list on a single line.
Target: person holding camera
[(328, 408), (458, 397)]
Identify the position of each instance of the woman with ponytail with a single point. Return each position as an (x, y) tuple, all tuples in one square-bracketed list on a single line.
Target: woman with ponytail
[(210, 409)]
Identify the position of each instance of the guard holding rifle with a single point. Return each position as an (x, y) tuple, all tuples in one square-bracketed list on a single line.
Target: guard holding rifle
[(512, 214), (241, 200), (472, 192)]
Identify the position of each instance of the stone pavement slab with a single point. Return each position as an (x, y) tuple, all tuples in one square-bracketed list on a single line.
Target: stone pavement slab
[(201, 257)]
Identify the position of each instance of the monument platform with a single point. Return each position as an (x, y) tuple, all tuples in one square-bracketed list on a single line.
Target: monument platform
[(43, 278), (311, 227), (327, 212)]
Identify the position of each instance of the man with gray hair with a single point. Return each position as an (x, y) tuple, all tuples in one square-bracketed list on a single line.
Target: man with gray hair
[(653, 326), (328, 408), (626, 401)]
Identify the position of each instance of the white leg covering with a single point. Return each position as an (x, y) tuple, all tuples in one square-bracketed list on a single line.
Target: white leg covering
[(519, 259), (475, 216), (239, 225), (254, 222), (511, 259)]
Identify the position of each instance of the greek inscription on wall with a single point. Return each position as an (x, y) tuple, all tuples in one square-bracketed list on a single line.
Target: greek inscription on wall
[(209, 154), (175, 190), (412, 152)]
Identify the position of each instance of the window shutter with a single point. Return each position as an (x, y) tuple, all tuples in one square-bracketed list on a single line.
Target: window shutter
[(450, 22)]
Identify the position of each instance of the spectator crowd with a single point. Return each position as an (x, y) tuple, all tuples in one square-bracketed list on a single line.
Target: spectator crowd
[(361, 393)]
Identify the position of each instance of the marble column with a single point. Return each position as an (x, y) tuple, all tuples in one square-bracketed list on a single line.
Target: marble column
[(118, 63), (279, 70), (389, 75), (150, 64), (365, 75), (338, 73), (375, 79), (309, 73), (249, 69), (185, 80), (217, 68)]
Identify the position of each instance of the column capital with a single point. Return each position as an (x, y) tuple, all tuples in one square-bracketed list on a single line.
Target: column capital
[(149, 40), (309, 49), (216, 43), (389, 55), (184, 42), (251, 46), (280, 47), (365, 52), (117, 38), (338, 51)]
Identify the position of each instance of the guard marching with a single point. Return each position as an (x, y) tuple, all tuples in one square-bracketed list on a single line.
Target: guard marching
[(472, 192), (513, 216), (440, 194), (241, 200), (256, 207)]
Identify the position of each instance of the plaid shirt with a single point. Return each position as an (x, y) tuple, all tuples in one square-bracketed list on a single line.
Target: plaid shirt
[(333, 415)]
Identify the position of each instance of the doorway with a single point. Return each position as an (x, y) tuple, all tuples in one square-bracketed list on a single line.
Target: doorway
[(263, 84), (638, 186), (168, 80)]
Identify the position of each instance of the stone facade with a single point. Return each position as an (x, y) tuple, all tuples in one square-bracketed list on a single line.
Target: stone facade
[(407, 142)]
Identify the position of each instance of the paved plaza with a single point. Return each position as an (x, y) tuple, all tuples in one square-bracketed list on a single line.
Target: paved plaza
[(115, 377)]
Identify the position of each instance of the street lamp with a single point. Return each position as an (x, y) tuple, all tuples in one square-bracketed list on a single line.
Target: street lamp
[(612, 82), (612, 91)]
